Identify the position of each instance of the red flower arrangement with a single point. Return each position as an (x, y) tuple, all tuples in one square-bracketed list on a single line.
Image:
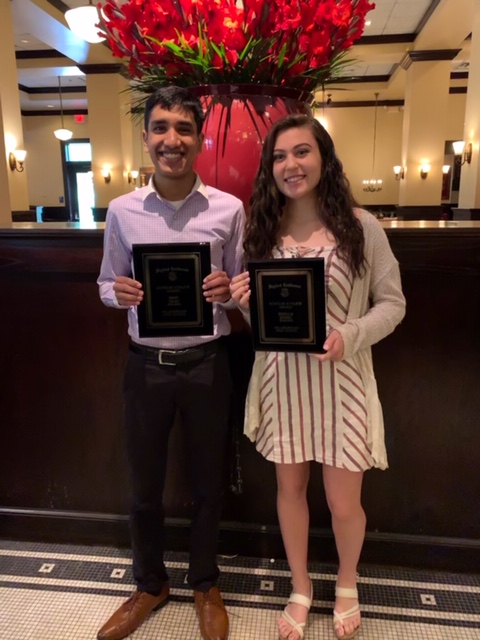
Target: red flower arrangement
[(299, 44)]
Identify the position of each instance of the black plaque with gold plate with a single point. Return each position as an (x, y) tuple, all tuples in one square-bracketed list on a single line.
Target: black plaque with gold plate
[(172, 277), (288, 304)]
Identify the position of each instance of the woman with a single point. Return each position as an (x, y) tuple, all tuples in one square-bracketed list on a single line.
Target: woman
[(311, 407)]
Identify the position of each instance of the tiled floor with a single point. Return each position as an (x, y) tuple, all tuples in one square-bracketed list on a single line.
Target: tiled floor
[(62, 592)]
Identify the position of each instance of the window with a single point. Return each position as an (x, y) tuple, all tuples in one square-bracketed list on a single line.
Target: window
[(78, 152)]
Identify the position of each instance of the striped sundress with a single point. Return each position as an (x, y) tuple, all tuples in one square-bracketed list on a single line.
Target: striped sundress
[(312, 410)]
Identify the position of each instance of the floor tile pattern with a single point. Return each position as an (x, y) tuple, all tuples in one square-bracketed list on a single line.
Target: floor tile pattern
[(65, 592)]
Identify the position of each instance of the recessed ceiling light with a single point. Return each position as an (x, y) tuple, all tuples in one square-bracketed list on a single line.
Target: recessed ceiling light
[(368, 23), (50, 106), (25, 41)]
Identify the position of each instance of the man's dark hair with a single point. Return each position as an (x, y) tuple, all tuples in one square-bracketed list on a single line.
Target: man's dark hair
[(172, 97)]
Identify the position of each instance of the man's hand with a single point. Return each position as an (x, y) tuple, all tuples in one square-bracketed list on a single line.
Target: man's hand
[(240, 289), (128, 291), (333, 346), (216, 287)]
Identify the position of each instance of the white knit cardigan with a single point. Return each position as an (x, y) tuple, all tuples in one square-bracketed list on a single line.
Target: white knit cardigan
[(377, 306)]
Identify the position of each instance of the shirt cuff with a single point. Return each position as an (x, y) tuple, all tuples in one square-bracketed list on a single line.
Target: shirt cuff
[(116, 304), (229, 304)]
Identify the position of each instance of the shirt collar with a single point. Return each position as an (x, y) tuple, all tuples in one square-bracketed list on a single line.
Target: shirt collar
[(198, 186)]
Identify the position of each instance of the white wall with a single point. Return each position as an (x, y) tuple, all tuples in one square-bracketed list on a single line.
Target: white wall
[(456, 117), (352, 132), (351, 129), (45, 178)]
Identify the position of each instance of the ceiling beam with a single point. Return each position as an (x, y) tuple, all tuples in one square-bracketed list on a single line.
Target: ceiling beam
[(47, 24), (448, 26), (54, 64)]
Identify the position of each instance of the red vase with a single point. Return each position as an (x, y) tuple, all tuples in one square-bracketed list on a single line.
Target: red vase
[(237, 120)]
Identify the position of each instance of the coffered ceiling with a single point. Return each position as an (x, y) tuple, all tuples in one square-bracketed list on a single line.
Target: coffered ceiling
[(45, 49)]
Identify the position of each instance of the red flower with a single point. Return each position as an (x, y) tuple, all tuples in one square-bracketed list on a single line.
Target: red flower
[(257, 41)]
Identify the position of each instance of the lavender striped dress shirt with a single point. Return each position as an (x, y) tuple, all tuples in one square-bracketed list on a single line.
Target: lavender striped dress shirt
[(206, 215)]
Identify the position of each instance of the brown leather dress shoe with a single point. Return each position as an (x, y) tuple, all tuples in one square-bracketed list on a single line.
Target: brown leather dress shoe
[(212, 616), (130, 615)]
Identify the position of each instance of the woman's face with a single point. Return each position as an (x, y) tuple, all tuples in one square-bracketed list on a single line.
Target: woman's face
[(297, 163)]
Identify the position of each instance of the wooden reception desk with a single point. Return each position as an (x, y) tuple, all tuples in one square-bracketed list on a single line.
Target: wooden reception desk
[(63, 472)]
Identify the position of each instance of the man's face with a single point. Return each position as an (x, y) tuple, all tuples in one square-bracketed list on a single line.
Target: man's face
[(172, 142)]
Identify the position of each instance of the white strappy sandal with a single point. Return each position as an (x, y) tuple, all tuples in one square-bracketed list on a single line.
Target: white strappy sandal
[(340, 617), (306, 602)]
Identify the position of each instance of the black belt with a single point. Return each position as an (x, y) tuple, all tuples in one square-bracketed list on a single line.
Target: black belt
[(173, 357)]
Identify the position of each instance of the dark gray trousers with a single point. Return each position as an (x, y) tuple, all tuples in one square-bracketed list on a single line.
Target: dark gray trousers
[(201, 392)]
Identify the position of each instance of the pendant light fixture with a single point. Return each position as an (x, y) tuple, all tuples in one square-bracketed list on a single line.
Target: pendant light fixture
[(83, 23), (322, 119), (62, 134), (373, 185)]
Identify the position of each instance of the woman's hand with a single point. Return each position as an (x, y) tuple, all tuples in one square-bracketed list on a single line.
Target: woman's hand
[(333, 346), (240, 289), (128, 291)]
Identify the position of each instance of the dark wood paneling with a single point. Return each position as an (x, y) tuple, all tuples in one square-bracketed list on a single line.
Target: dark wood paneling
[(447, 554), (55, 112), (55, 214), (38, 54), (62, 363), (428, 55), (61, 394), (360, 79), (434, 212), (24, 216), (53, 90), (391, 38)]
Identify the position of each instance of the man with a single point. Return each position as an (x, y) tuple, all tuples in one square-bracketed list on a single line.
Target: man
[(165, 374)]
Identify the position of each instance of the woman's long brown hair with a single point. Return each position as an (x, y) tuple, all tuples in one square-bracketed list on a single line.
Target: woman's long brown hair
[(335, 200)]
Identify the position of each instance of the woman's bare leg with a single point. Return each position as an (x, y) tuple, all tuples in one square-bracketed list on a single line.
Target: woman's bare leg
[(293, 515), (343, 491)]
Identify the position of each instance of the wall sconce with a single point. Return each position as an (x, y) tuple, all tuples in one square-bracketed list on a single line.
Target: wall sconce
[(132, 177), (106, 175), (399, 172), (16, 158), (446, 169), (463, 152), (424, 170)]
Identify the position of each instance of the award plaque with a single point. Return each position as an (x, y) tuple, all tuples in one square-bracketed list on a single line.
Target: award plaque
[(288, 304), (172, 278)]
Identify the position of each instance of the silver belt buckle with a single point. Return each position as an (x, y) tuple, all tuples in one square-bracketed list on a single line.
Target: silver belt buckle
[(161, 352)]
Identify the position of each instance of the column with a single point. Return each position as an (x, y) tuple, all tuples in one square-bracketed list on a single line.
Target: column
[(110, 129), (469, 197), (424, 124), (10, 114), (5, 208)]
